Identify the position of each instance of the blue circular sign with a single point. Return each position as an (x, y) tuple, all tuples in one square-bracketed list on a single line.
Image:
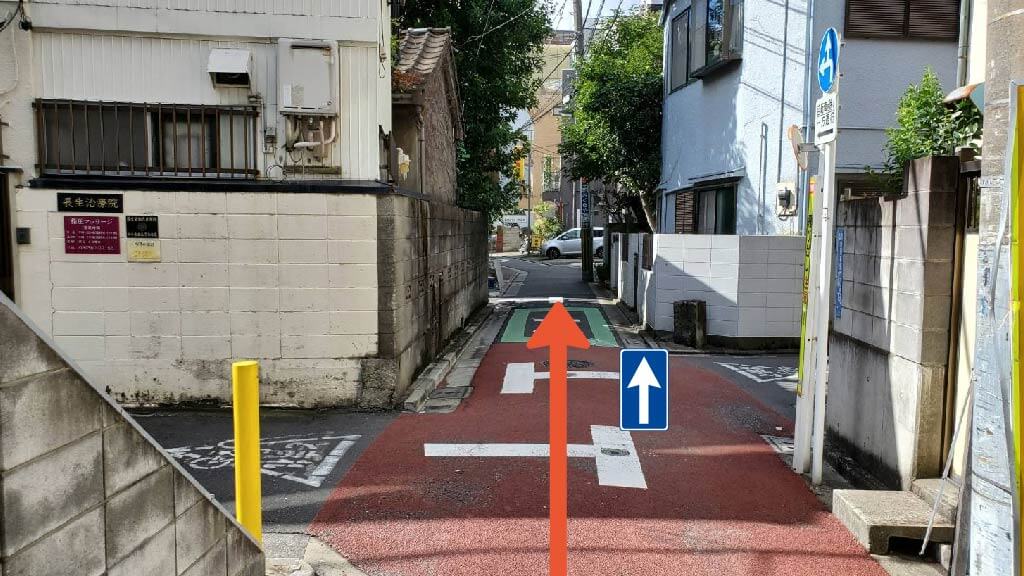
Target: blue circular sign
[(828, 60)]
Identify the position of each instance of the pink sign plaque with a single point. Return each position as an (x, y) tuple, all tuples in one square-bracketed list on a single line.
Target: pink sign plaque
[(92, 235)]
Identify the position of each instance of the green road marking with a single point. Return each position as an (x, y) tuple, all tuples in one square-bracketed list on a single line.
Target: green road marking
[(516, 329)]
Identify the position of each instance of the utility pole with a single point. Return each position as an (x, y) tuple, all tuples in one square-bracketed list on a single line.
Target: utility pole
[(586, 232)]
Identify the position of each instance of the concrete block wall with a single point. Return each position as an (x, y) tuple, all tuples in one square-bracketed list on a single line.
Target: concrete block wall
[(85, 490), (289, 279), (433, 276), (888, 347), (751, 284)]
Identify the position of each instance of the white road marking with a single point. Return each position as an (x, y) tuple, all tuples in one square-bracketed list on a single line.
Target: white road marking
[(763, 374), (520, 376), (300, 459), (554, 299), (617, 462)]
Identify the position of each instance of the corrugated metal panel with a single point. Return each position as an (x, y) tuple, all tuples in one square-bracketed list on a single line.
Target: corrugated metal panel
[(359, 132), (335, 8), (141, 69)]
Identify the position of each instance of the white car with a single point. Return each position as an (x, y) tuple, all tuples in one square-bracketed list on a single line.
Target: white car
[(570, 243)]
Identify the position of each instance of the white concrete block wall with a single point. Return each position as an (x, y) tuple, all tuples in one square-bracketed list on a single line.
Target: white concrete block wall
[(751, 284), (289, 279)]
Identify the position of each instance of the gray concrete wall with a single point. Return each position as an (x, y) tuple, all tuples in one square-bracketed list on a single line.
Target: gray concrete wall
[(85, 490), (432, 272), (993, 541), (888, 348)]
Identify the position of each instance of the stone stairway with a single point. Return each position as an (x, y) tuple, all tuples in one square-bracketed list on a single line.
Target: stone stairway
[(875, 517)]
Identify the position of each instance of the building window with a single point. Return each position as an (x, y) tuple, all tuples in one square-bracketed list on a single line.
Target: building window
[(679, 57), (715, 210), (912, 19), (685, 217), (717, 37), (124, 139)]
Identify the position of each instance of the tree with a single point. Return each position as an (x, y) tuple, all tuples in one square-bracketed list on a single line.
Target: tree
[(616, 133), (925, 126), (498, 46)]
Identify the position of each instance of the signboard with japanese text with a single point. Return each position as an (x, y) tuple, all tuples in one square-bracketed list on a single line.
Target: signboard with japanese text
[(92, 235), (141, 226), (825, 118), (585, 204), (142, 250), (78, 202)]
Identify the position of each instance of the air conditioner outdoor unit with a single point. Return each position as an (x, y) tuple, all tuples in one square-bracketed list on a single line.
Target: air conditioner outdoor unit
[(306, 75)]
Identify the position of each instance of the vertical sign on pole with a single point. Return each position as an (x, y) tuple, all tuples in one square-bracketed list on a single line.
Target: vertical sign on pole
[(810, 425)]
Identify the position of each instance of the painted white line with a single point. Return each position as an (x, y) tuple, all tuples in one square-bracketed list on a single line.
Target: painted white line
[(520, 377), (617, 462), (503, 450), (554, 299)]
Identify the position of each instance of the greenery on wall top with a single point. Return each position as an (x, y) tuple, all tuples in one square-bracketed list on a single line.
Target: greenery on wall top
[(926, 126)]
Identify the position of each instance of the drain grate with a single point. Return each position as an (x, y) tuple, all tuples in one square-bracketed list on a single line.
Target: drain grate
[(455, 392)]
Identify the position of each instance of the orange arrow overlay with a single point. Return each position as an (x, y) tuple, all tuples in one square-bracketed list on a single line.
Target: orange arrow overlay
[(558, 332)]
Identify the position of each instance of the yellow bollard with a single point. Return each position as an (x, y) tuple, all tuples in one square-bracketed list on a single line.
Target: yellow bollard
[(245, 378)]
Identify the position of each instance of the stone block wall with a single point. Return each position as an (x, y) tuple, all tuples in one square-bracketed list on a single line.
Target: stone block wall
[(889, 345), (289, 279), (751, 285), (85, 490), (432, 275)]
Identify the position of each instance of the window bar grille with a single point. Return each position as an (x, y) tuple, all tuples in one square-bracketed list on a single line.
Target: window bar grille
[(159, 137), (188, 139), (203, 144), (231, 139), (103, 142), (88, 149), (117, 139), (74, 153), (216, 143)]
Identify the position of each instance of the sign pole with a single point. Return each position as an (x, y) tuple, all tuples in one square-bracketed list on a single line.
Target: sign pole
[(805, 382), (809, 441), (822, 315)]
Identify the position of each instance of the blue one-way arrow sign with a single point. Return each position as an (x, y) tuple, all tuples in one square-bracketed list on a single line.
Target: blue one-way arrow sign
[(643, 389)]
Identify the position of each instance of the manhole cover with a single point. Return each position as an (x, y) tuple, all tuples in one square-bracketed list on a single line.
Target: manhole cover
[(614, 452), (574, 364)]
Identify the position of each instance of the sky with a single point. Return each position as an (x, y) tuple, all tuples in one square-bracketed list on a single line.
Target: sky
[(563, 10)]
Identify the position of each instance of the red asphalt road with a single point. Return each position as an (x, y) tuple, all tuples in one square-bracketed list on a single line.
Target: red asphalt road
[(719, 501)]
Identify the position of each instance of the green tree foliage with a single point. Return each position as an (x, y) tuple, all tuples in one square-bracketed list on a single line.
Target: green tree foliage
[(616, 136), (926, 126), (545, 224), (498, 46)]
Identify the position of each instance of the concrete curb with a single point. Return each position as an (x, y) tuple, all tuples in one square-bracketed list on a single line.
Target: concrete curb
[(462, 347)]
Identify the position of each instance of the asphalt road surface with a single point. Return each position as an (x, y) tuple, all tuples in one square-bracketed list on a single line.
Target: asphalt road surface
[(465, 493), (546, 278), (305, 454)]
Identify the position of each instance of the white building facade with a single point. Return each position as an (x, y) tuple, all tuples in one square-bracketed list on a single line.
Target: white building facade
[(189, 183), (739, 75)]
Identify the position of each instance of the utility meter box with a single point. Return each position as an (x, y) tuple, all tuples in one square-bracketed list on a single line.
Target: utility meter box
[(307, 77)]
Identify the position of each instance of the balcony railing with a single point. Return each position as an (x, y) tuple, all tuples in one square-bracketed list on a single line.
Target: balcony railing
[(77, 137)]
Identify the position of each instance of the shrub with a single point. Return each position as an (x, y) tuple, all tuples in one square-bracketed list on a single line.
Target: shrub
[(925, 126)]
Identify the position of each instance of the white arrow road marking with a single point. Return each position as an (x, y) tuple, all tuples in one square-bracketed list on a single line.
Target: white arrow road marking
[(520, 376), (644, 379), (613, 451)]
